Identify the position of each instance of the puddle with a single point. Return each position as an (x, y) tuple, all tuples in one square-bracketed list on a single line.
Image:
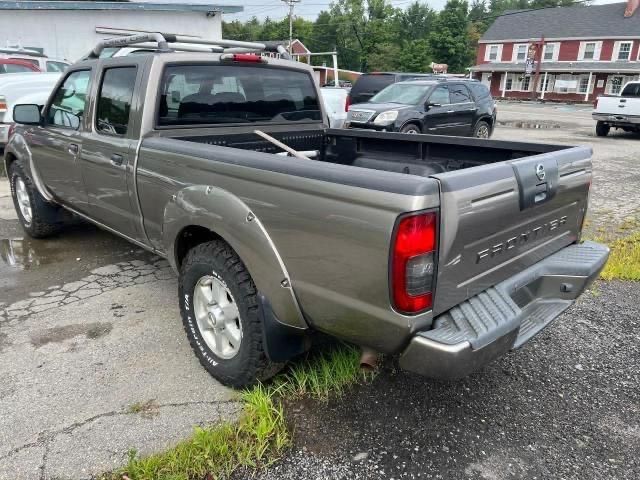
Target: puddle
[(530, 125), (26, 253), (60, 334)]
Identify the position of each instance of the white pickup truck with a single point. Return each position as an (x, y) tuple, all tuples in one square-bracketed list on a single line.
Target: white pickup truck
[(618, 111)]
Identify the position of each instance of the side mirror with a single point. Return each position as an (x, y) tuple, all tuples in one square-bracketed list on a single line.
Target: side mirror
[(27, 114)]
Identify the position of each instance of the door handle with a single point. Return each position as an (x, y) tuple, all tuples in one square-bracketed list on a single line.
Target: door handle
[(72, 149), (117, 159), (450, 111)]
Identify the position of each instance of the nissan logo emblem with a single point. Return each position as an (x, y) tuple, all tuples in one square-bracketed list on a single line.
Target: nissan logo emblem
[(541, 174)]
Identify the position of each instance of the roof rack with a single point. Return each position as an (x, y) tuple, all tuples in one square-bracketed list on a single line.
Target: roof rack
[(168, 42)]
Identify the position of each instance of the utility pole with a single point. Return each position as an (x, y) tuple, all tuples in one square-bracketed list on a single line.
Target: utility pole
[(291, 3)]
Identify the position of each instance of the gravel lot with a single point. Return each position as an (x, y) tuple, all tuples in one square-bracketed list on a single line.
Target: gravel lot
[(89, 329), (566, 406)]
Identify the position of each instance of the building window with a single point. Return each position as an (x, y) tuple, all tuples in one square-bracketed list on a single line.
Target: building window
[(614, 84), (549, 51), (509, 82), (521, 53), (624, 50), (583, 85), (493, 53), (526, 84), (589, 51), (545, 86)]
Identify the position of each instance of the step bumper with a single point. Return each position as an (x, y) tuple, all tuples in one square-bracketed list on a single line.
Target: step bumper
[(505, 316)]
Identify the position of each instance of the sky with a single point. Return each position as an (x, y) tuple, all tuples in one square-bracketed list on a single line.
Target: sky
[(309, 9)]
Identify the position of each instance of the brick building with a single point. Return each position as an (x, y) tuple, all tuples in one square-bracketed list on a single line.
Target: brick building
[(583, 52)]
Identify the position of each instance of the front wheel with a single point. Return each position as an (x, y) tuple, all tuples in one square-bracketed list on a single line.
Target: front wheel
[(411, 129), (602, 129), (38, 217), (219, 308), (482, 130)]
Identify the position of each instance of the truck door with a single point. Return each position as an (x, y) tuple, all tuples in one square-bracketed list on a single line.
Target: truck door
[(109, 148), (438, 118), (56, 146), (464, 109)]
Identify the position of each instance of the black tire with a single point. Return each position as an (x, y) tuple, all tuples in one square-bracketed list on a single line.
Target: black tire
[(482, 130), (602, 129), (250, 364), (46, 218), (411, 128)]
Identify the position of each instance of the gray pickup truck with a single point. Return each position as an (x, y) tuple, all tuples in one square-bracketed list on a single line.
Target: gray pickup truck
[(445, 251)]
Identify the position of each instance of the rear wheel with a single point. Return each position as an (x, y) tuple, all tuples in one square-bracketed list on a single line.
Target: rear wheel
[(482, 130), (411, 129), (219, 308), (602, 129), (38, 217)]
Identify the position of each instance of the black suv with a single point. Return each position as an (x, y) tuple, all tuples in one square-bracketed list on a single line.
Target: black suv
[(368, 84), (445, 106)]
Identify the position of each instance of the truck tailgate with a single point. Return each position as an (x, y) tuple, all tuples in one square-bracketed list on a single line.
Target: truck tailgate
[(501, 218)]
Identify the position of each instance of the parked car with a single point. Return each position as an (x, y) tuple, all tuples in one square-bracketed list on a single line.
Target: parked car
[(40, 60), (368, 84), (445, 251), (9, 65), (334, 101), (442, 106), (618, 111), (341, 84), (14, 88)]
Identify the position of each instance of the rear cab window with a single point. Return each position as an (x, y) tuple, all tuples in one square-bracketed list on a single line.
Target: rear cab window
[(631, 90), (210, 94), (15, 68), (114, 100)]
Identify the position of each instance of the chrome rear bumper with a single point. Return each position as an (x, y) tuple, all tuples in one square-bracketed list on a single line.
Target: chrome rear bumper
[(505, 316)]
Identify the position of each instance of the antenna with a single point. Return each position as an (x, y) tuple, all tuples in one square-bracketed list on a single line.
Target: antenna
[(291, 4)]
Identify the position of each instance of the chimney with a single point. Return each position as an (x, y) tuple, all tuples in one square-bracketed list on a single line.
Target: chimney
[(632, 6)]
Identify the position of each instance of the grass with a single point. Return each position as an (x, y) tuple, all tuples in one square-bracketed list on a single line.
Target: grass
[(624, 260), (260, 436)]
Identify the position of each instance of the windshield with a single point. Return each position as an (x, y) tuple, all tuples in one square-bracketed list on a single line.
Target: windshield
[(212, 94), (404, 93)]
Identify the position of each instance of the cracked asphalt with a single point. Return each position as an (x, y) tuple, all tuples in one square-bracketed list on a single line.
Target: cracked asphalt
[(93, 358), (94, 362)]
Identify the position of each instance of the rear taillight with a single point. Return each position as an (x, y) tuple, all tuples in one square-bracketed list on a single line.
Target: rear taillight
[(3, 104), (413, 257), (347, 103)]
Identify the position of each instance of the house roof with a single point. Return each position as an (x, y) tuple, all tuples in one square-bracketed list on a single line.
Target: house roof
[(613, 67), (565, 22), (149, 7)]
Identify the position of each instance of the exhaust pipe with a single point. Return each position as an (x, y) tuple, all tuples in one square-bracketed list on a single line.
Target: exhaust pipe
[(369, 359)]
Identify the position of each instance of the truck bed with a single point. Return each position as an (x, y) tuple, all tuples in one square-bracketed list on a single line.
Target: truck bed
[(492, 224)]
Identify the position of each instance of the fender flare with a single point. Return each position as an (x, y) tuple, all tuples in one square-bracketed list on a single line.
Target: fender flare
[(19, 148), (229, 217)]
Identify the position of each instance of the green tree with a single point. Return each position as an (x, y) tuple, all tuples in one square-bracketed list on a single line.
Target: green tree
[(449, 42)]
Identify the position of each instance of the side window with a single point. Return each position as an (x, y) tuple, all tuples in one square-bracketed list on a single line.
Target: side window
[(114, 100), (459, 94), (67, 107), (56, 66), (35, 63), (15, 68), (440, 95)]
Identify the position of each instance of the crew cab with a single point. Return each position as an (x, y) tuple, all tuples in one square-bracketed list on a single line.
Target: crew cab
[(439, 106), (618, 111), (445, 251)]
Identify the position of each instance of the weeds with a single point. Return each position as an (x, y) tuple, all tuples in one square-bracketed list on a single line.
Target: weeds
[(624, 260), (260, 436)]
